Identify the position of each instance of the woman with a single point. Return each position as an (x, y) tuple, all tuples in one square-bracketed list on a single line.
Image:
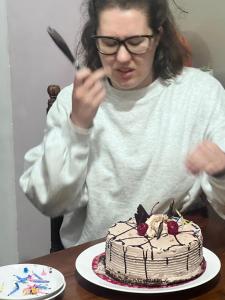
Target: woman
[(153, 130)]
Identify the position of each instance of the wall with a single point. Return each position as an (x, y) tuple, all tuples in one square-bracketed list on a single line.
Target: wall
[(8, 218), (36, 63), (204, 27)]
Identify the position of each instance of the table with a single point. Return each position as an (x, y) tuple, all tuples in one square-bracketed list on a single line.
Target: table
[(213, 229)]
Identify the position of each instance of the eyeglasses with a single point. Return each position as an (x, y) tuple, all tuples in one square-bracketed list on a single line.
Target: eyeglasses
[(137, 44)]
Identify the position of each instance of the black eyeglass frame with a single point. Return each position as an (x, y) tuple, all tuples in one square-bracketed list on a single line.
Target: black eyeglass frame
[(121, 42)]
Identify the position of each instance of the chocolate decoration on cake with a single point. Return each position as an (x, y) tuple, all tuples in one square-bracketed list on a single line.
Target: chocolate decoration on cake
[(141, 216)]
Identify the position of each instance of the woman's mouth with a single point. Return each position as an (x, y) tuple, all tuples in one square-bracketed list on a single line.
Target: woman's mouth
[(125, 73)]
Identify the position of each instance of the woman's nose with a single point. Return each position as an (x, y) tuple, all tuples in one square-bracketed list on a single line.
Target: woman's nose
[(123, 54)]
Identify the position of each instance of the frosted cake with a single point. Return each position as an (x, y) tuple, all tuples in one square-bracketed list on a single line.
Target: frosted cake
[(154, 250)]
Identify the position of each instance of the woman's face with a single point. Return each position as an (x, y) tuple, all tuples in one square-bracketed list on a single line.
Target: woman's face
[(127, 71)]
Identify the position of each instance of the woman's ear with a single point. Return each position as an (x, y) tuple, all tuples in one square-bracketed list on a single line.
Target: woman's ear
[(160, 31), (159, 35)]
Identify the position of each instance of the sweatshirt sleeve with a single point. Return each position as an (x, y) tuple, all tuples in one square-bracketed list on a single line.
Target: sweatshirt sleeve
[(55, 171), (213, 187)]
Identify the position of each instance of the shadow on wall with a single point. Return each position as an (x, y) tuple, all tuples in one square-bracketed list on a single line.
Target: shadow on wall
[(221, 76), (200, 51)]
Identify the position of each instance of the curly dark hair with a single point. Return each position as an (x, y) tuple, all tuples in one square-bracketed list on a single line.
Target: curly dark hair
[(170, 53)]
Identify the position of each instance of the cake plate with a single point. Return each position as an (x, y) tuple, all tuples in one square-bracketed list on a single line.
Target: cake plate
[(84, 261)]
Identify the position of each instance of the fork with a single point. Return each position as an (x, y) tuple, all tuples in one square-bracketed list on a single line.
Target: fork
[(60, 42)]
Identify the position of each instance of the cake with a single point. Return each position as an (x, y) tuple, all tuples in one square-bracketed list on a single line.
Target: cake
[(154, 249)]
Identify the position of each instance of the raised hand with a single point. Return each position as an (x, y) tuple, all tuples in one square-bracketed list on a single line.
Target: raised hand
[(88, 94), (206, 157)]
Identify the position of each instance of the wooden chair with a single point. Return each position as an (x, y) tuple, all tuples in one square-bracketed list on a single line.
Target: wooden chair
[(56, 243)]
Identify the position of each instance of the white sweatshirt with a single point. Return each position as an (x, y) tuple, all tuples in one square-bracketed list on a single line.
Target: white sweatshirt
[(133, 154)]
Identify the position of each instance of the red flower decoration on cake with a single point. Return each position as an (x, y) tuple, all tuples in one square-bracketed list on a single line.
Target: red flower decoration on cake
[(142, 228), (172, 227)]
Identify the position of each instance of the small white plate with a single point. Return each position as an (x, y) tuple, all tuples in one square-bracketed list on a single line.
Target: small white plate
[(84, 267), (57, 293), (16, 280)]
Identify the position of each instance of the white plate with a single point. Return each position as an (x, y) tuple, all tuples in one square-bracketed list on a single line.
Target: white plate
[(15, 279), (57, 293), (84, 268)]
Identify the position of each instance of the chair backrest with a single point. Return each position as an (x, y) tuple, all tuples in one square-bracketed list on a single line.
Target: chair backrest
[(56, 243), (53, 91)]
